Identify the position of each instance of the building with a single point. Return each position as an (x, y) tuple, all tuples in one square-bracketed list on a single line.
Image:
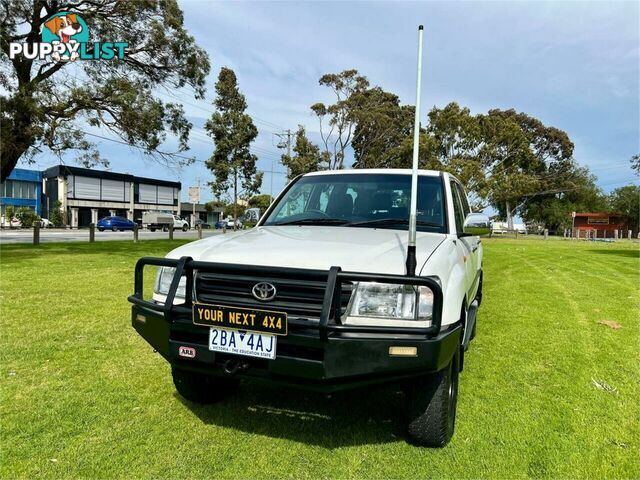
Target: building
[(597, 225), (23, 188), (210, 217), (87, 195)]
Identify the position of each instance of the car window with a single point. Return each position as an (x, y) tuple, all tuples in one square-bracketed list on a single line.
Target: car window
[(463, 198), (361, 198), (458, 210)]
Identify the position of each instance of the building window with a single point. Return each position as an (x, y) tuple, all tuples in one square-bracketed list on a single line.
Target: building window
[(18, 189)]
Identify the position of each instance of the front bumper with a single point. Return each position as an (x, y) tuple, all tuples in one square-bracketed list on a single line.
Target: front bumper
[(324, 356)]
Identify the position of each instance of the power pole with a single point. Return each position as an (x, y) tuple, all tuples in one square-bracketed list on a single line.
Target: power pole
[(287, 145)]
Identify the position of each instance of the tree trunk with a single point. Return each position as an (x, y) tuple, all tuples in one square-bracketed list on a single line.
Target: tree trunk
[(15, 142), (509, 216), (17, 133)]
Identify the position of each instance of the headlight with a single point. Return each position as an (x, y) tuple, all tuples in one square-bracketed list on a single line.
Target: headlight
[(388, 304), (163, 282)]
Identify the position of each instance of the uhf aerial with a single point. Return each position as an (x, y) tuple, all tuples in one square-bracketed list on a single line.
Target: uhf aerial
[(411, 247)]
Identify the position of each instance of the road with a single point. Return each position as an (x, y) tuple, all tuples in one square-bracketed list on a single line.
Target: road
[(56, 235)]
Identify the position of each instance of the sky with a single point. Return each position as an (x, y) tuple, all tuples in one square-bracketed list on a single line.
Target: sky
[(573, 65)]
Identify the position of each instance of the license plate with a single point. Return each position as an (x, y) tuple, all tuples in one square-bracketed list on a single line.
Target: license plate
[(250, 344), (248, 319)]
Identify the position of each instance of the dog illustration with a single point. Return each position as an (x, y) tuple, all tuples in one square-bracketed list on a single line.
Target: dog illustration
[(64, 26)]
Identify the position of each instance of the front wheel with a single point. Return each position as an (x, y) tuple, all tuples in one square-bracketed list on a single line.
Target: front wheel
[(185, 228), (100, 229), (431, 407), (201, 388)]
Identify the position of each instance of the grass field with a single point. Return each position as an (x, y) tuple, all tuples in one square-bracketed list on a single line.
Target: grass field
[(547, 390)]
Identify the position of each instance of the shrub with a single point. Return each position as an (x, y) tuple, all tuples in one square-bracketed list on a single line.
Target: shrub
[(55, 214), (26, 216)]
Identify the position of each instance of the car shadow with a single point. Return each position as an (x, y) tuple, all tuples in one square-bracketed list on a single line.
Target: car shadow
[(357, 417), (635, 253)]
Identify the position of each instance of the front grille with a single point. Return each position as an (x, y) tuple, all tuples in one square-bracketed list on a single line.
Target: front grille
[(298, 297)]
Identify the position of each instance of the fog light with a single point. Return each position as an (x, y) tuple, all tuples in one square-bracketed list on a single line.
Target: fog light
[(141, 318), (403, 351)]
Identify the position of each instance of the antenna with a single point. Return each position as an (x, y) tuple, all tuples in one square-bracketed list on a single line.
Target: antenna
[(411, 247)]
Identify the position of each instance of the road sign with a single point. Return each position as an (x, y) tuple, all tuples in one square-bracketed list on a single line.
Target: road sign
[(573, 214), (194, 194)]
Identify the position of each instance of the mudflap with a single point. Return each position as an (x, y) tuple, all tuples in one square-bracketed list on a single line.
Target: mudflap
[(153, 328)]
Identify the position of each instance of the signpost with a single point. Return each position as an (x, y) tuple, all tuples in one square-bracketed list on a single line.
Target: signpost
[(573, 223), (194, 197)]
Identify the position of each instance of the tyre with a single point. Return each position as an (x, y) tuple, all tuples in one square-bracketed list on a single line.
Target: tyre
[(431, 407), (185, 228), (114, 229), (201, 388), (165, 229), (100, 229), (152, 229)]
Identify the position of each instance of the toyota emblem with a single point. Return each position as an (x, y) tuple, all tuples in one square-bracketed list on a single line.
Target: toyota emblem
[(264, 291)]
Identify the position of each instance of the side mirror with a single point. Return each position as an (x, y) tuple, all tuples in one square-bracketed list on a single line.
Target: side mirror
[(476, 224)]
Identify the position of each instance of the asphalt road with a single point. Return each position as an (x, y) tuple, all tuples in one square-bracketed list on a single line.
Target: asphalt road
[(56, 235)]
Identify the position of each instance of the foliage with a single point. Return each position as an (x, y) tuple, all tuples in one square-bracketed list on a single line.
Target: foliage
[(210, 206), (55, 214), (382, 126), (44, 103), (260, 201), (626, 201), (9, 214), (232, 130), (306, 156), (635, 163), (337, 120), (234, 210), (26, 216)]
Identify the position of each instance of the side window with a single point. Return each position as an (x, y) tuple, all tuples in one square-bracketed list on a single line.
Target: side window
[(463, 198), (457, 207)]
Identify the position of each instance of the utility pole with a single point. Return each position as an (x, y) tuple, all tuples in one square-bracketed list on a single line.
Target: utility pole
[(287, 145)]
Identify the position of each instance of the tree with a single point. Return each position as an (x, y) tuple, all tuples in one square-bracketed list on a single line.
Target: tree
[(635, 163), (213, 204), (26, 216), (233, 210), (55, 214), (626, 201), (232, 130), (337, 120), (260, 201), (47, 103), (306, 156), (382, 125), (581, 194)]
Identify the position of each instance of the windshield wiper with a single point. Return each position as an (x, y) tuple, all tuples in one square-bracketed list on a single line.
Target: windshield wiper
[(392, 221), (314, 221)]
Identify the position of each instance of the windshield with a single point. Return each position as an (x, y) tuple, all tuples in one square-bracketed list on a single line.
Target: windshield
[(361, 200)]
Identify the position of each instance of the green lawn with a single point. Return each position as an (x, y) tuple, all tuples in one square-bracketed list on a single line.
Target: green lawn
[(547, 390)]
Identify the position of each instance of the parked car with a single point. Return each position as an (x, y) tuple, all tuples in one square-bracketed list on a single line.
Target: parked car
[(201, 223), (45, 223), (115, 224), (162, 220), (220, 224), (331, 278), (231, 224)]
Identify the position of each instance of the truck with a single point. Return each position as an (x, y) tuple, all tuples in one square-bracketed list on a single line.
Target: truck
[(162, 220), (328, 293)]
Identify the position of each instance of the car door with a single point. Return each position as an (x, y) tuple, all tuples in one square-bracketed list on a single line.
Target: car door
[(473, 242), (464, 245)]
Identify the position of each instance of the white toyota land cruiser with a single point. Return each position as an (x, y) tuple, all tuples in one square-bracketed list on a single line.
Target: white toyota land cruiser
[(321, 294)]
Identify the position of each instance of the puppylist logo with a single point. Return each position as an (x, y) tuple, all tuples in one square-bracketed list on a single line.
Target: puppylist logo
[(65, 37)]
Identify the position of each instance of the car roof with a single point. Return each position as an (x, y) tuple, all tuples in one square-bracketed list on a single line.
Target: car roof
[(371, 171)]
